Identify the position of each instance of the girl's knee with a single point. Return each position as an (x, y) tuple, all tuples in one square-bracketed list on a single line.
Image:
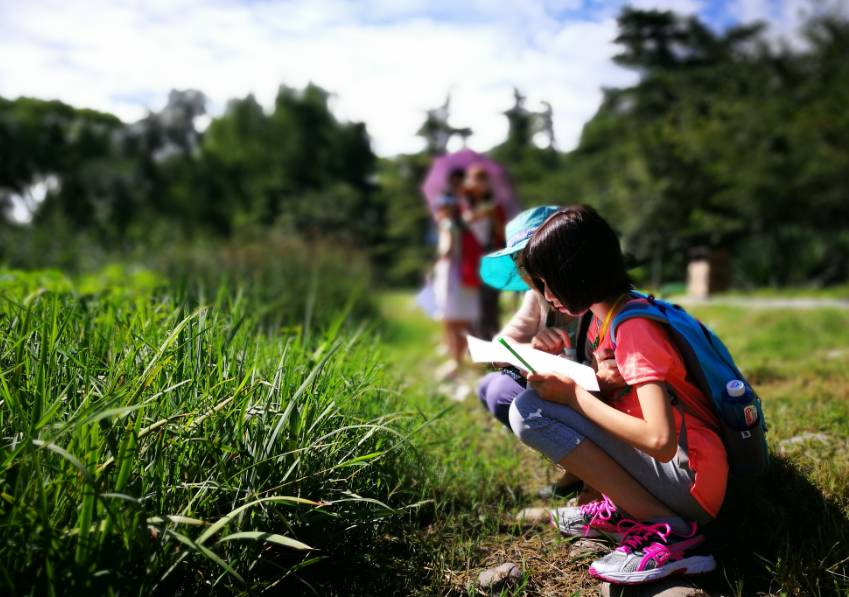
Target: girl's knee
[(525, 406), (497, 391), (545, 427), (483, 388), (527, 402)]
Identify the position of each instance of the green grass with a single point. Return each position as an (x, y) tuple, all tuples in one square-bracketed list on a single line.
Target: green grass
[(162, 438), (832, 292), (148, 446), (839, 291), (788, 535), (791, 534)]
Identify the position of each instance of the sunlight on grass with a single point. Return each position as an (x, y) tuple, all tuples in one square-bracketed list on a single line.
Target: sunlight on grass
[(156, 447), (156, 443), (785, 536)]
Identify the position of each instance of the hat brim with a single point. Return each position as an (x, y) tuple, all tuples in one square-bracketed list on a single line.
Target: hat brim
[(506, 252), (499, 271)]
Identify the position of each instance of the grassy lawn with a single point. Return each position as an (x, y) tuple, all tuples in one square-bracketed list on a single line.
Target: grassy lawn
[(789, 535), (151, 445), (154, 442)]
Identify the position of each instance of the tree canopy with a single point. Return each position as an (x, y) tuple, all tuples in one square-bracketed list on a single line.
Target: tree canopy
[(725, 141), (728, 139)]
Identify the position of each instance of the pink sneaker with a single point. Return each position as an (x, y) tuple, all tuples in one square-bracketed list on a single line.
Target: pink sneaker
[(650, 552), (600, 518)]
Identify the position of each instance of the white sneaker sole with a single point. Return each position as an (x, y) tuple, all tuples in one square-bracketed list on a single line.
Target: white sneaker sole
[(687, 566)]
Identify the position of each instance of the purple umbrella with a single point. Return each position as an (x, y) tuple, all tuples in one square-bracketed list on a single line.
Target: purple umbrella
[(437, 178)]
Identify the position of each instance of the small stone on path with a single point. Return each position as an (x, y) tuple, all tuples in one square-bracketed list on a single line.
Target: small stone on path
[(802, 438), (669, 587), (532, 517), (494, 579)]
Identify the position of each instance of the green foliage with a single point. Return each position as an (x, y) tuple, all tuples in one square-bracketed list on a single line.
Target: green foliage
[(727, 140), (296, 166), (405, 251), (151, 446), (41, 137), (712, 148)]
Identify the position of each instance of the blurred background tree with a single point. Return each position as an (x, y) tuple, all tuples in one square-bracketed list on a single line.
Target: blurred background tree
[(728, 139), (725, 141)]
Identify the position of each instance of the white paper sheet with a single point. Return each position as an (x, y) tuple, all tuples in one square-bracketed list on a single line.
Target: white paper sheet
[(482, 351)]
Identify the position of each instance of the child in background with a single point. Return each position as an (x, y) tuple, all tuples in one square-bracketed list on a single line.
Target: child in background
[(661, 473), (457, 304), (535, 322)]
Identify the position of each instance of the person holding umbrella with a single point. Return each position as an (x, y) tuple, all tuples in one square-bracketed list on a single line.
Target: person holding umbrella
[(443, 183), (439, 173)]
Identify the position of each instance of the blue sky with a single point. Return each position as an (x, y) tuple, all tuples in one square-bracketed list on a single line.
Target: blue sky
[(386, 61)]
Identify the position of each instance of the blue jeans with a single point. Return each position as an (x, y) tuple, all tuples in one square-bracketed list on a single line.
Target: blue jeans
[(555, 430)]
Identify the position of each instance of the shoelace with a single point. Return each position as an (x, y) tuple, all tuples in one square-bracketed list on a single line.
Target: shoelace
[(602, 509), (638, 534)]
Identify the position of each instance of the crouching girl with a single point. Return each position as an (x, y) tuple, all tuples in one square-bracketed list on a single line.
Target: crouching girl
[(660, 467)]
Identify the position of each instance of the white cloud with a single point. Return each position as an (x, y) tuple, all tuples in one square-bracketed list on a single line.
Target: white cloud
[(751, 10), (387, 61)]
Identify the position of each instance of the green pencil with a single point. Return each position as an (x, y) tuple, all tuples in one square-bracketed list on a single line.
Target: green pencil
[(516, 354)]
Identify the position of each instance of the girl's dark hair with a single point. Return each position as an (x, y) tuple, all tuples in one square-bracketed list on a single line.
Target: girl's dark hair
[(577, 253)]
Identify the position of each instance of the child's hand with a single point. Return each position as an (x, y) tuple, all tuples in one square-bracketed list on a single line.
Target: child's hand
[(552, 340), (608, 374), (554, 387)]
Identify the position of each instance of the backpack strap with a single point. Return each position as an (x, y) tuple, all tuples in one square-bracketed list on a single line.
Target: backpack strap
[(656, 311), (653, 309)]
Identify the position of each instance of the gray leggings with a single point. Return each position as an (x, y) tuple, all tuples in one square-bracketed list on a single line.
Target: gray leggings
[(555, 430)]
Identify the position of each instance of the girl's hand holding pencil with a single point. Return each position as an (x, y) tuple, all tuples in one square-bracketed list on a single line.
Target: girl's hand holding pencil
[(525, 357)]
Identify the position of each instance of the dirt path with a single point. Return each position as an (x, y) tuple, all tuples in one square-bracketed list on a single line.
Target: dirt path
[(763, 303), (550, 564)]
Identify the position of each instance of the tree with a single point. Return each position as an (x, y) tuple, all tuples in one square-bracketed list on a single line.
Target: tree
[(711, 148), (437, 132), (296, 166)]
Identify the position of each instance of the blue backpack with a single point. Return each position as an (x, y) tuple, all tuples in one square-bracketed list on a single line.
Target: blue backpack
[(710, 366)]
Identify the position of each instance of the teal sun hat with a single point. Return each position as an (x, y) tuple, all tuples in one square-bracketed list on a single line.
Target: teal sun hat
[(498, 269)]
